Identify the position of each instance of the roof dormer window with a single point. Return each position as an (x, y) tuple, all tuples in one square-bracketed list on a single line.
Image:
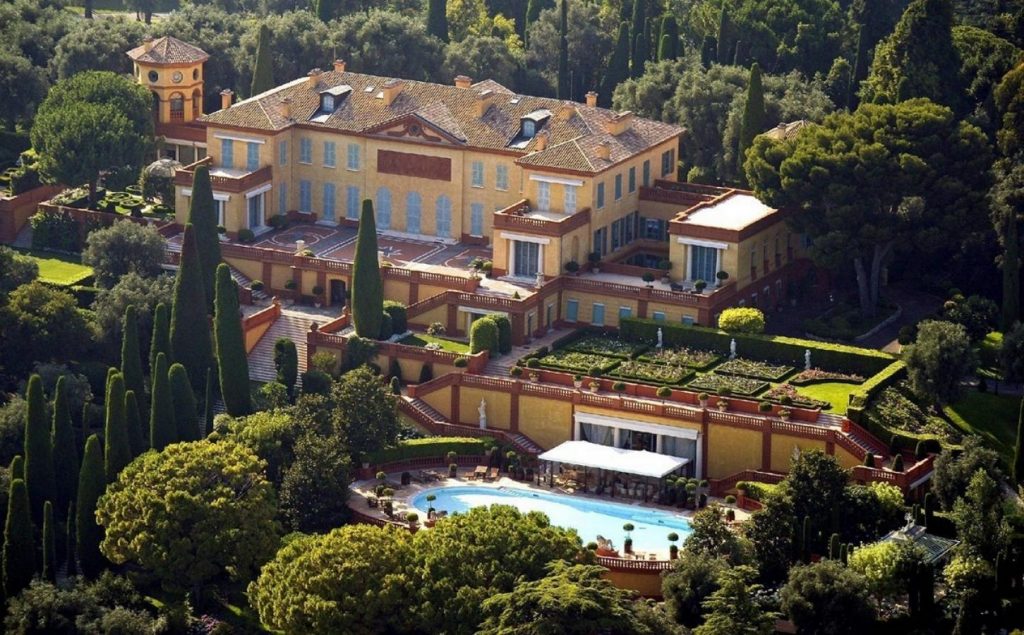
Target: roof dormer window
[(529, 128), (330, 100), (327, 102)]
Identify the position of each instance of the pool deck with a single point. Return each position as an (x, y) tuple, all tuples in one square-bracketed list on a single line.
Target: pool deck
[(361, 490)]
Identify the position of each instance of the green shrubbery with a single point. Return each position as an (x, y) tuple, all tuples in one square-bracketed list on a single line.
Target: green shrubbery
[(742, 320), (399, 316), (483, 336), (432, 447), (56, 231)]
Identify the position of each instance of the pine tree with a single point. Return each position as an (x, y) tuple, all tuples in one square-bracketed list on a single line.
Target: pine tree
[(208, 402), (49, 569), (668, 38), (183, 402), (19, 557), (263, 72), (640, 51), (202, 215), (437, 19), (618, 66), (708, 51), (326, 10), (39, 476), (131, 359), (117, 449), (754, 118), (65, 456), (367, 287), (725, 45), (564, 84), (137, 440), (161, 340), (162, 430), (1018, 448), (190, 329), (233, 365), (91, 485)]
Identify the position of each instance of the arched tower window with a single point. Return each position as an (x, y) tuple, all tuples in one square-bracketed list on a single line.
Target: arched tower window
[(197, 104), (177, 107)]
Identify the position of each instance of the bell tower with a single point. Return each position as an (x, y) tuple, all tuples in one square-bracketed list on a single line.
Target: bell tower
[(173, 71)]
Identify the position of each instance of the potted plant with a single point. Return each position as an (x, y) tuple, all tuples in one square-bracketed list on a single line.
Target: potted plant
[(700, 285), (413, 519), (534, 377), (487, 267), (703, 399), (722, 276), (764, 407), (730, 500), (648, 278), (673, 549), (516, 372), (453, 470), (742, 488), (595, 371), (291, 285), (431, 512), (664, 392), (785, 414), (593, 386), (619, 387), (256, 285), (577, 381), (572, 267), (533, 362), (730, 515), (318, 295), (627, 544), (665, 266), (723, 404), (595, 261), (222, 233)]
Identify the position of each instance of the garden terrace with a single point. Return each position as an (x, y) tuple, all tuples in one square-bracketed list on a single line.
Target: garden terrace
[(653, 373), (753, 369), (223, 179), (732, 384), (520, 216), (682, 356)]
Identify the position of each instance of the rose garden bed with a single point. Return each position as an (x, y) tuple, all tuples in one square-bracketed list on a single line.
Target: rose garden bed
[(578, 362), (606, 347), (753, 369), (742, 386), (690, 357), (817, 375), (787, 395), (656, 373)]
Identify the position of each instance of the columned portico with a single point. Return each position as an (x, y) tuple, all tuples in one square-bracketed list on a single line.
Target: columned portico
[(525, 254), (620, 433)]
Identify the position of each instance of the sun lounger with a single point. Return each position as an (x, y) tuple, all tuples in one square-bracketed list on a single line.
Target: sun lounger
[(492, 475), (480, 472)]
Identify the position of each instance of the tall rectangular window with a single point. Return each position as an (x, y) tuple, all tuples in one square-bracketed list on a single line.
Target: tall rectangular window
[(305, 196), (601, 241), (330, 158), (703, 263), (659, 316), (305, 150), (501, 177), (329, 191), (616, 234), (352, 202), (600, 195), (252, 156), (632, 179), (647, 173), (478, 173), (476, 219), (227, 153), (572, 310), (543, 196), (282, 198), (597, 314), (570, 199), (668, 161), (526, 255), (413, 211), (353, 156), (625, 312), (282, 152), (618, 186)]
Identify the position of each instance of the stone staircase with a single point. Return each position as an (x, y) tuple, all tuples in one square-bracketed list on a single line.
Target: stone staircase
[(292, 325), (244, 281), (427, 416)]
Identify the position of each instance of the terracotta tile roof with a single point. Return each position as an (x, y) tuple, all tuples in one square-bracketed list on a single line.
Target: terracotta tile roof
[(785, 131), (168, 50), (574, 131)]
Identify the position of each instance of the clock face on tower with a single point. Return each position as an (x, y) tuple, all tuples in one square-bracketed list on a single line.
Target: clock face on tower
[(176, 77)]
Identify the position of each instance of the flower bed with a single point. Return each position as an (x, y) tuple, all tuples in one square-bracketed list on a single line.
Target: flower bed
[(656, 373), (753, 369), (579, 362), (691, 357), (606, 347), (744, 386), (817, 375), (787, 395)]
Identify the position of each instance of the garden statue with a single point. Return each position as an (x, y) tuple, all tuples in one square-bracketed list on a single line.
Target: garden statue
[(659, 337), (540, 279), (732, 349), (483, 414), (807, 359), (300, 246)]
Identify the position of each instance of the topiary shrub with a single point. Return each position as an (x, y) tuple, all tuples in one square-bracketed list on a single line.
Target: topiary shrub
[(426, 373), (396, 386), (730, 500), (399, 315), (256, 285), (461, 362), (386, 326), (504, 333), (533, 362), (483, 336), (664, 392), (741, 320), (316, 382), (246, 235), (515, 371)]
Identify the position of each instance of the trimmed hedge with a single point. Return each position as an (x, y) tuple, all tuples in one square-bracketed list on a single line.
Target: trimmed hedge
[(880, 381), (84, 295), (399, 316), (504, 333), (432, 447), (790, 350), (483, 336)]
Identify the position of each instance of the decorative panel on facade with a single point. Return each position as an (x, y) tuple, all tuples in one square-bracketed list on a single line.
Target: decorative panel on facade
[(417, 165)]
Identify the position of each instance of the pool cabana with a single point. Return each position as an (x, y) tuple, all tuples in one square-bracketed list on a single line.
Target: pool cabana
[(643, 467)]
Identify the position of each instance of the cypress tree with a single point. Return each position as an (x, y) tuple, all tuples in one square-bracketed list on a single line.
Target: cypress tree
[(860, 67), (17, 468), (640, 52), (286, 361), (263, 72), (533, 9), (162, 431), (208, 402), (725, 46), (1018, 448), (65, 456), (754, 118), (69, 542), (367, 287), (49, 544), (437, 19), (929, 508), (19, 557), (233, 365), (190, 329), (326, 10), (564, 84), (833, 547), (131, 359), (202, 215), (805, 540), (137, 440), (869, 459), (117, 449), (161, 340), (183, 401), (708, 51), (1011, 271), (39, 477), (618, 66), (668, 39), (91, 485)]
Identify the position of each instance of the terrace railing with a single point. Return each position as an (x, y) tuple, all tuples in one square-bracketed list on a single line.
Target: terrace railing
[(515, 217), (219, 182)]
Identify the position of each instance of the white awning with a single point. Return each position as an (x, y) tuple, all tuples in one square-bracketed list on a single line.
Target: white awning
[(606, 457)]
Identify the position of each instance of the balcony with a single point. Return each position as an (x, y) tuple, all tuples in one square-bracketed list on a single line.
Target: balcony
[(522, 218), (224, 179)]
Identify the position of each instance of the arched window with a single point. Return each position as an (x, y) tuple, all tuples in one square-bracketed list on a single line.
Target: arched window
[(177, 107), (443, 218), (413, 208), (383, 208), (197, 104)]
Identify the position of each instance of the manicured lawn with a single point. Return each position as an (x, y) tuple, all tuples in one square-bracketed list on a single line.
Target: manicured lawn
[(836, 393), (992, 417), (59, 269), (422, 339)]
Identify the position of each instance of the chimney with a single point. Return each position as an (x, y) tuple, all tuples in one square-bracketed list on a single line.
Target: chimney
[(619, 123), (483, 102), (604, 151), (314, 77), (225, 98), (541, 141), (462, 81), (339, 66), (389, 91), (286, 107), (565, 111), (592, 99)]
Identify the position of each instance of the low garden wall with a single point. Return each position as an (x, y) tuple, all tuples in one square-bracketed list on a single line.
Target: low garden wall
[(16, 210), (257, 324)]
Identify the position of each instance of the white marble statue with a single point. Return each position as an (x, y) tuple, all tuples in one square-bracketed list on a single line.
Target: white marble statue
[(732, 349), (659, 337), (483, 414), (807, 359)]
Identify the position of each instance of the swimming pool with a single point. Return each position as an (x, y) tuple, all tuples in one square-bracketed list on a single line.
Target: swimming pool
[(588, 517)]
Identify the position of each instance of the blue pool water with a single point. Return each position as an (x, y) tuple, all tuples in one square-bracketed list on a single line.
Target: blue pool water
[(588, 517)]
